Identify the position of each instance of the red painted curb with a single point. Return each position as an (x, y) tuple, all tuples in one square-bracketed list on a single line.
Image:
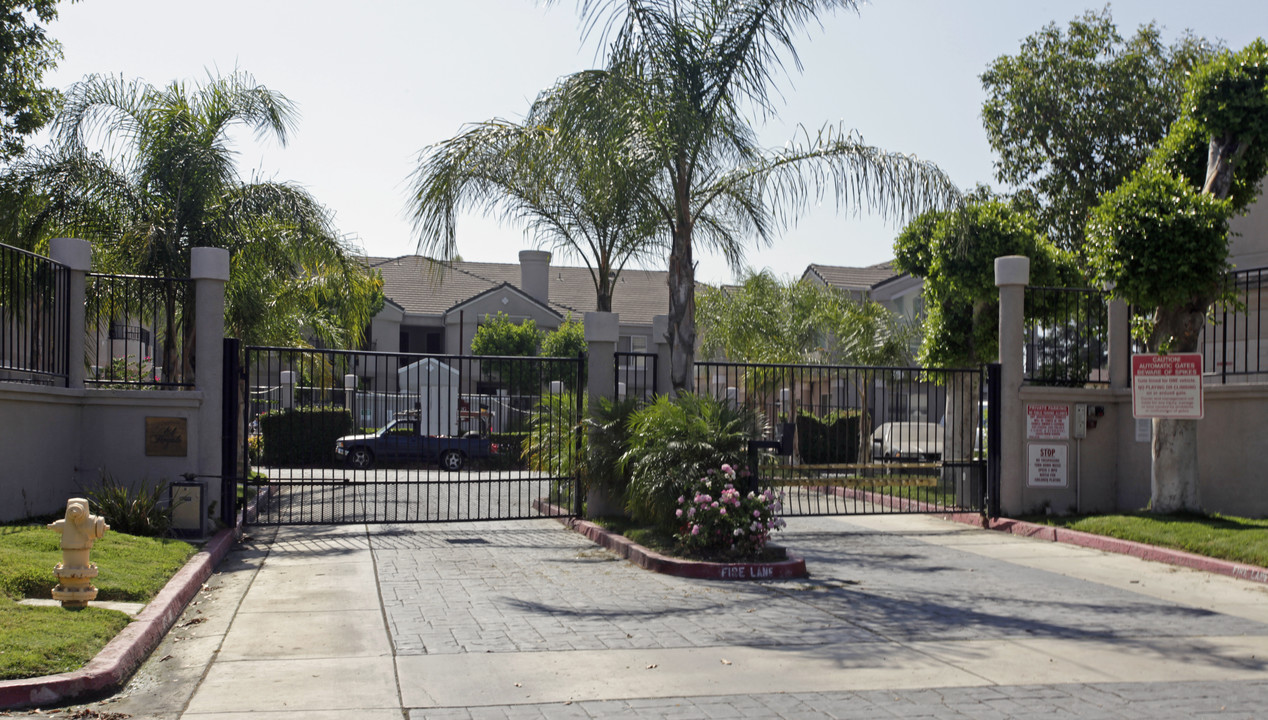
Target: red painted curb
[(121, 656), (647, 559), (1181, 558)]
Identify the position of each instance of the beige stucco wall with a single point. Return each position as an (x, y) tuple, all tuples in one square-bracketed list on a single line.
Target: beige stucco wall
[(56, 440), (1109, 470)]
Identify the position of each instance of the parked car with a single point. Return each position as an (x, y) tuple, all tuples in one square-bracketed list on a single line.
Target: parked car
[(403, 441), (908, 441)]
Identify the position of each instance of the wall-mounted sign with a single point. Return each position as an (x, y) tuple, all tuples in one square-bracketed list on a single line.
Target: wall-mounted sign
[(166, 437), (1047, 466), (1167, 386), (1048, 422)]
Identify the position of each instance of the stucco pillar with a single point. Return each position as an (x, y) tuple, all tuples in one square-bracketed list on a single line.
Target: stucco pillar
[(1012, 274), (1119, 339), (76, 255), (660, 344), (209, 271), (602, 331)]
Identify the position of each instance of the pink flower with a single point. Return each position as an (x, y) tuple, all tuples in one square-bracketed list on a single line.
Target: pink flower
[(678, 512), (722, 511), (695, 529), (727, 469)]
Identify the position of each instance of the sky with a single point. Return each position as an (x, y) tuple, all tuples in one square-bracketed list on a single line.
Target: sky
[(377, 81)]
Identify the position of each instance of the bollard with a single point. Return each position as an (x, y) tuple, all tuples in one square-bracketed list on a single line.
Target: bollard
[(79, 531)]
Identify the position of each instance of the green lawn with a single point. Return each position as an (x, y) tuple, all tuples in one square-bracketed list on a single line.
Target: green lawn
[(44, 640), (1218, 536)]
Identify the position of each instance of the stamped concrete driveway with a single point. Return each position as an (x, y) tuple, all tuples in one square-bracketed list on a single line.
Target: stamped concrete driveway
[(902, 617)]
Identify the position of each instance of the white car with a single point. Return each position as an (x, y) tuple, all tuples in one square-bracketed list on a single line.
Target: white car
[(908, 441)]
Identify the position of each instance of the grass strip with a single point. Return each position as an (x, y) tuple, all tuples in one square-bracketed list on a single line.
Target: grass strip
[(1219, 536), (37, 641)]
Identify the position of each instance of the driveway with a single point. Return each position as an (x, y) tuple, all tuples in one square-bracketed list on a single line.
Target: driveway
[(903, 616)]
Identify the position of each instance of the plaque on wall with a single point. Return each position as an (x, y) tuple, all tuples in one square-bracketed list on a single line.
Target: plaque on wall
[(166, 437)]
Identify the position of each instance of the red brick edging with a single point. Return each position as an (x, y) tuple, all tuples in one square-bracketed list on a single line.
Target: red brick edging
[(793, 567), (121, 656)]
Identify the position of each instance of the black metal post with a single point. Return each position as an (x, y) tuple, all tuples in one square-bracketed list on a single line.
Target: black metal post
[(229, 472), (994, 437)]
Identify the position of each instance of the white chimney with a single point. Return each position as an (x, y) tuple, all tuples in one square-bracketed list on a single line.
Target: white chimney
[(535, 274)]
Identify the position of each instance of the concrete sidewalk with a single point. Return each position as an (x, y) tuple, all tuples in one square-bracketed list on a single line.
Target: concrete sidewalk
[(903, 616)]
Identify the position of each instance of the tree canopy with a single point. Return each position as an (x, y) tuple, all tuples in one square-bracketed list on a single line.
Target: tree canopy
[(147, 173), (1076, 111), (575, 176), (765, 320), (954, 252), (691, 76), (26, 53)]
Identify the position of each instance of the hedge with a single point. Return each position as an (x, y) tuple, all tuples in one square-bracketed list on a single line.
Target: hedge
[(303, 435)]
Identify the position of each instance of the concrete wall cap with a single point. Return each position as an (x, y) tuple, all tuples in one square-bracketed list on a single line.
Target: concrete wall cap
[(209, 264), (602, 327), (1012, 270), (74, 253), (531, 256)]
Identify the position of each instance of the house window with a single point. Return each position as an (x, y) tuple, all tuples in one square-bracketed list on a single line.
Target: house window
[(634, 343)]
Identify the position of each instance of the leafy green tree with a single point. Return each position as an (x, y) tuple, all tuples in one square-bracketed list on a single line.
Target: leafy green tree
[(955, 255), (1076, 111), (764, 320), (165, 182), (686, 72), (26, 53), (573, 180), (498, 335), (566, 341), (1161, 240)]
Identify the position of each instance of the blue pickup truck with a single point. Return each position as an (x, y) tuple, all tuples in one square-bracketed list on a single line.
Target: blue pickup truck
[(402, 441)]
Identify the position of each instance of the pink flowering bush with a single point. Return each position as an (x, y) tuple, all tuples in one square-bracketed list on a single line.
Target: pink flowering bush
[(716, 520)]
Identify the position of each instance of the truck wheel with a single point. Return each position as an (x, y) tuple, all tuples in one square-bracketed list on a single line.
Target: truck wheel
[(360, 458), (451, 460)]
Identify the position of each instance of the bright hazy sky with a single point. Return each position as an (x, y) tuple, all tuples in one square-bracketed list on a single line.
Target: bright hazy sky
[(376, 81)]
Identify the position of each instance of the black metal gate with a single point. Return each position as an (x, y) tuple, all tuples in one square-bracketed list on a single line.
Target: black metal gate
[(335, 437), (849, 440)]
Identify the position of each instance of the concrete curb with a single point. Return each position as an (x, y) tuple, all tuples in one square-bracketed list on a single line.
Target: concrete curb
[(793, 567), (1181, 558), (120, 657)]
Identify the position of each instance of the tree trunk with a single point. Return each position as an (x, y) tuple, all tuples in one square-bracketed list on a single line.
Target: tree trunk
[(682, 311), (1174, 472)]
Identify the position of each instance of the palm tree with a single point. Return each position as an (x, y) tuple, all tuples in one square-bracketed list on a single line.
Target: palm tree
[(162, 181), (686, 69), (575, 180)]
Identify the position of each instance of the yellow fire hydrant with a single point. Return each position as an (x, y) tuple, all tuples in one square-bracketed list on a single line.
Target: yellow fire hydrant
[(79, 530)]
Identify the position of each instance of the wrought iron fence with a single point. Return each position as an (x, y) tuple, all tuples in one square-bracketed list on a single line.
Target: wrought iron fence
[(34, 318), (854, 440), (636, 375), (334, 436), (1231, 343), (1067, 337), (138, 332)]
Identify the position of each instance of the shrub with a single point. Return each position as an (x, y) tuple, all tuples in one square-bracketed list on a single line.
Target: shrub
[(832, 438), (551, 444), (673, 443), (717, 521), (303, 435), (131, 509)]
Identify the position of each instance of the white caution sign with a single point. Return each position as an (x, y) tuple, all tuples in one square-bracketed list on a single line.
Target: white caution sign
[(1048, 466)]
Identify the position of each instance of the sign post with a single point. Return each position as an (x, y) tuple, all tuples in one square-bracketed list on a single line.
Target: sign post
[(1167, 386)]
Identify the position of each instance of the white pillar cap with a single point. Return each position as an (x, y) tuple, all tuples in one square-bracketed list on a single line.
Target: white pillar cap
[(74, 253), (209, 264), (1012, 270)]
